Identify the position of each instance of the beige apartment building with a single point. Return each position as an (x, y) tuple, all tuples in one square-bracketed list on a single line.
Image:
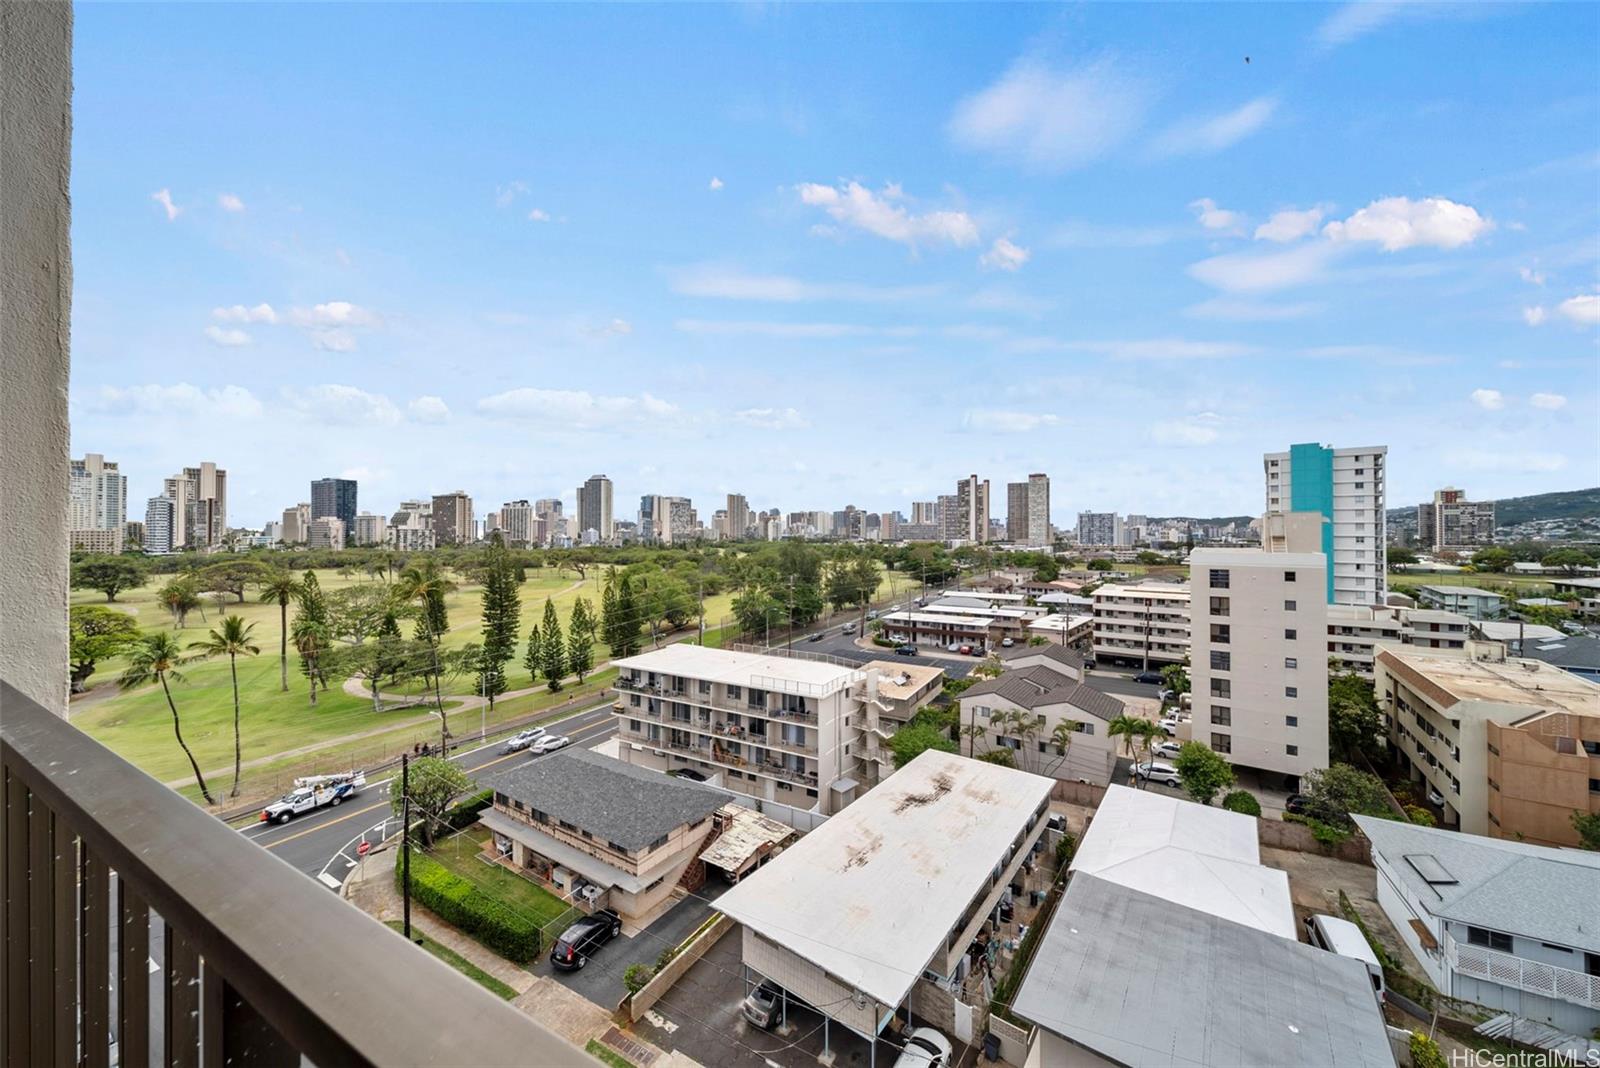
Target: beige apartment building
[(802, 729), (1356, 632), (452, 518), (1259, 665), (1022, 708), (1512, 746), (1147, 623)]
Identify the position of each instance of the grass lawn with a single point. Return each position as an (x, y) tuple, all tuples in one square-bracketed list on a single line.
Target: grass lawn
[(460, 964), (606, 1054), (1518, 584), (460, 855)]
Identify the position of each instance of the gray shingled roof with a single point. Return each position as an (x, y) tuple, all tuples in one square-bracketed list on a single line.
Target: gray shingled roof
[(1574, 651), (1535, 891), (1144, 982), (1059, 653), (612, 800), (1040, 687)]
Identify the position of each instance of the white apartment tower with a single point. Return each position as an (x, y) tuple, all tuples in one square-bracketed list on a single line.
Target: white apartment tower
[(200, 498), (99, 494), (1345, 488), (1099, 528), (972, 510), (516, 521), (159, 520), (1028, 511), (738, 516), (1258, 652), (371, 529), (594, 507)]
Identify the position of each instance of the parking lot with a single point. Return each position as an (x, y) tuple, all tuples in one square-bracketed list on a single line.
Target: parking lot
[(701, 1018)]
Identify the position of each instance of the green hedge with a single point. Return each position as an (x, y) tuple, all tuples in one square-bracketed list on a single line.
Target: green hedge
[(466, 907), (464, 813)]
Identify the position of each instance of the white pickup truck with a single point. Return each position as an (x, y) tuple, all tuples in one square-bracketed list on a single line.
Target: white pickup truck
[(312, 792)]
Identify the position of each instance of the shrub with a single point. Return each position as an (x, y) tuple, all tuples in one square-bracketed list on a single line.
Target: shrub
[(1242, 802), (464, 906), (465, 812), (1425, 1052), (1064, 850), (636, 977), (1420, 816), (664, 958)]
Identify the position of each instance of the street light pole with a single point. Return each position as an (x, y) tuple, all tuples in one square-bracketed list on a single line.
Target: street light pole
[(405, 842)]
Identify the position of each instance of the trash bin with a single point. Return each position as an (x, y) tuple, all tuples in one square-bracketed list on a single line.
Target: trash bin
[(991, 1046)]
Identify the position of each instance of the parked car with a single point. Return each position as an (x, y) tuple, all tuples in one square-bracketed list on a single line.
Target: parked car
[(1169, 726), (762, 1006), (906, 650), (583, 939), (953, 647), (965, 650), (926, 1048), (1158, 771), (550, 743), (1166, 695), (818, 636), (1435, 798), (522, 739), (848, 628), (1295, 803), (687, 773), (1168, 750), (1006, 643), (1148, 678), (872, 614)]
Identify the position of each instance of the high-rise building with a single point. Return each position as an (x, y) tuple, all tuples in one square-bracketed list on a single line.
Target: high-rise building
[(1258, 655), (1099, 528), (682, 523), (335, 497), (1345, 488), (452, 518), (160, 522), (594, 507), (547, 507), (924, 513), (964, 515), (326, 532), (99, 494), (515, 521), (949, 522), (652, 520), (738, 516), (296, 527), (200, 498), (1028, 511), (1451, 522), (370, 529)]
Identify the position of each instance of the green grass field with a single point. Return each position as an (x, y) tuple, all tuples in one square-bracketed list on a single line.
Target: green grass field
[(459, 963), (1495, 583), (459, 854)]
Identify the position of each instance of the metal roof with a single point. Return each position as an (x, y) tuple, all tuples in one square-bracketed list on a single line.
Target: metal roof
[(1534, 891), (872, 894), (746, 833), (731, 667), (1143, 982)]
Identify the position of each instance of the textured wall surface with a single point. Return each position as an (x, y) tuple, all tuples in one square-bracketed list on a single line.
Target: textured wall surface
[(35, 314)]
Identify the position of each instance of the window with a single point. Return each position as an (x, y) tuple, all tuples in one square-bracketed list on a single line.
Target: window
[(733, 693), (1221, 634), (1479, 936), (1220, 660), (1221, 688), (658, 843), (1291, 691), (1288, 576), (1221, 743), (1219, 578), (1084, 728), (1291, 721), (1290, 634), (633, 725), (1292, 750), (1221, 716), (617, 847), (1288, 606), (1291, 663), (1219, 606)]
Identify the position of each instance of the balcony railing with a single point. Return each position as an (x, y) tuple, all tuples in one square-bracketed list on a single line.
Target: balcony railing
[(1533, 976), (258, 965), (704, 700)]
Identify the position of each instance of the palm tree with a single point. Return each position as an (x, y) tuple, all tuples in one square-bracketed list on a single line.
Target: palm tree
[(232, 641), (1129, 728), (280, 586), (426, 584), (157, 657), (1148, 733), (310, 641), (1061, 741), (179, 598)]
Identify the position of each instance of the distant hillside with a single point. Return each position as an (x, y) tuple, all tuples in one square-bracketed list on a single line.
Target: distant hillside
[(1511, 511)]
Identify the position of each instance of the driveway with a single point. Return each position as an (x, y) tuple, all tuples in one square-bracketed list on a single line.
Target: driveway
[(701, 1018)]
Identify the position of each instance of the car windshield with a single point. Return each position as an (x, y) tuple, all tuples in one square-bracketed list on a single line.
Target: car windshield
[(923, 1044)]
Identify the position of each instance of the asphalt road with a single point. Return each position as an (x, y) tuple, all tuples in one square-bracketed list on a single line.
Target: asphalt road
[(309, 842), (837, 643)]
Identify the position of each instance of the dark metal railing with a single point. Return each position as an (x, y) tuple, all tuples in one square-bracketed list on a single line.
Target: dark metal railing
[(259, 965)]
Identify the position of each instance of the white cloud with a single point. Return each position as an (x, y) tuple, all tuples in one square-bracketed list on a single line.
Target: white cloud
[(1507, 460), (229, 337), (715, 183), (1584, 308), (333, 340), (238, 313), (1004, 256), (1212, 217), (539, 215), (1007, 300), (1399, 223), (1550, 402), (1531, 276), (342, 405), (1196, 430), (164, 198), (998, 421), (504, 195), (1248, 311), (1535, 315), (428, 410), (1389, 355), (772, 418), (1490, 400), (1203, 136), (569, 409), (710, 280), (335, 313), (1289, 225), (1052, 119), (228, 402), (615, 328), (1260, 272), (734, 327), (1163, 348), (881, 214), (229, 202), (1362, 17)]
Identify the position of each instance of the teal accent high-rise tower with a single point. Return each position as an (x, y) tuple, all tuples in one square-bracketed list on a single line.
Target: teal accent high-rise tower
[(1311, 490)]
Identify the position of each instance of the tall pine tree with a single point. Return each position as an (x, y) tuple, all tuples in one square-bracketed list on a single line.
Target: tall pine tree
[(608, 616), (533, 660), (552, 650), (626, 642), (501, 612), (580, 639)]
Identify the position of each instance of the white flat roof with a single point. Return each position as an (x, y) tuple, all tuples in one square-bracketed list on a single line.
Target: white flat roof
[(1254, 558), (741, 669), (935, 617), (1060, 622), (1192, 855), (871, 895), (1509, 631)]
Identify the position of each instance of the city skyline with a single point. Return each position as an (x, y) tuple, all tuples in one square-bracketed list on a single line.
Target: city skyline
[(1097, 243)]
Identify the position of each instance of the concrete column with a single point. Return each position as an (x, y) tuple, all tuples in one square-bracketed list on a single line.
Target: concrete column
[(35, 321)]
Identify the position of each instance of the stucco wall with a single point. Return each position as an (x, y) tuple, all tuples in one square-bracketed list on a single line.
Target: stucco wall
[(35, 309)]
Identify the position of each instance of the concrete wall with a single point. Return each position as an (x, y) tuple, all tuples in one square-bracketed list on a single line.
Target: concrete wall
[(35, 323), (1298, 837), (656, 988)]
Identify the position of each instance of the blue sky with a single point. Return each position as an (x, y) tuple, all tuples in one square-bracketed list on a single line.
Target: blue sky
[(829, 255)]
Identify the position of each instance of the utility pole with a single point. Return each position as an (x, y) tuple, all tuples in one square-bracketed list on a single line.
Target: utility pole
[(791, 613), (405, 841)]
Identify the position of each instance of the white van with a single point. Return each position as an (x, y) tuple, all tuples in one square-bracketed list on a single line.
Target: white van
[(1345, 938)]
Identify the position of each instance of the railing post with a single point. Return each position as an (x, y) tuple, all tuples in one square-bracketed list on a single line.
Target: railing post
[(14, 915), (94, 928), (133, 977)]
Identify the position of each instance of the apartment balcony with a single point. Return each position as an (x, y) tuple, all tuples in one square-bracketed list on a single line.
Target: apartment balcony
[(690, 696), (257, 963), (717, 754), (1520, 973)]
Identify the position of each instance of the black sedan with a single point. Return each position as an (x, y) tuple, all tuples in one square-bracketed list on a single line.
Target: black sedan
[(1149, 678), (573, 949)]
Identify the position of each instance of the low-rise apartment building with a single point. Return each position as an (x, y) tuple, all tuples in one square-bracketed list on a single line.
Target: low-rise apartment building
[(1259, 665), (1511, 745), (1143, 624), (1356, 632), (1023, 710), (1469, 601), (1505, 924), (801, 729), (1584, 591), (94, 540)]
